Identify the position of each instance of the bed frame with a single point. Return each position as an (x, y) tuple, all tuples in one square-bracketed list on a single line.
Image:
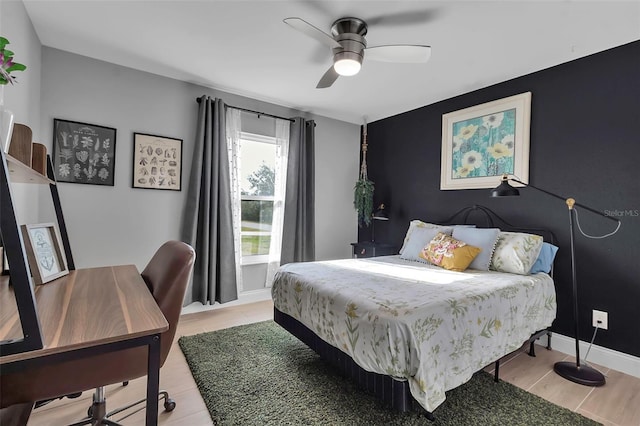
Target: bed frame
[(391, 392)]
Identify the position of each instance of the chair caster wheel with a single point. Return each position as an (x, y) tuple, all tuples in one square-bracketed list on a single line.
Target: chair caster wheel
[(169, 405)]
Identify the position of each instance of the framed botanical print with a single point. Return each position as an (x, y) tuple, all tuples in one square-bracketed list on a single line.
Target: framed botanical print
[(157, 162), (44, 252), (484, 142), (83, 153)]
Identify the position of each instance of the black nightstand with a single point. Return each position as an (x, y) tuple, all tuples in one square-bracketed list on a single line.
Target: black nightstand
[(370, 249)]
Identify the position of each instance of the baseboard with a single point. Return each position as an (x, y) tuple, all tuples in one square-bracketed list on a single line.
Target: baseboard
[(243, 299), (605, 357)]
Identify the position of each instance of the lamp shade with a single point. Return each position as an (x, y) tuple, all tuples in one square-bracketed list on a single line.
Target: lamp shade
[(380, 213), (504, 190), (347, 67), (347, 63)]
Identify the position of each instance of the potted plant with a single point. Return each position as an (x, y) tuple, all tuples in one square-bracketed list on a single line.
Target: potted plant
[(7, 66)]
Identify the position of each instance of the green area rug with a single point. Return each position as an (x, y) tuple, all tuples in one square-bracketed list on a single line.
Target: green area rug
[(259, 374)]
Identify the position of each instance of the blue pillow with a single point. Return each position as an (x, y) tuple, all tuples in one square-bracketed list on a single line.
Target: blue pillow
[(419, 239), (545, 259), (484, 238)]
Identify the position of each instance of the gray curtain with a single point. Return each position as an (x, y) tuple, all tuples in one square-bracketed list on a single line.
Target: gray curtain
[(298, 232), (207, 220)]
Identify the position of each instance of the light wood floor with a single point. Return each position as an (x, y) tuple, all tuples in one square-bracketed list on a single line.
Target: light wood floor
[(616, 403)]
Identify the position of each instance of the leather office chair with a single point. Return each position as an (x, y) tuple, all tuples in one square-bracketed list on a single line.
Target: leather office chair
[(167, 275)]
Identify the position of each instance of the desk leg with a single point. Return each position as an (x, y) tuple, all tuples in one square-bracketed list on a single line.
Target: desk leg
[(153, 381)]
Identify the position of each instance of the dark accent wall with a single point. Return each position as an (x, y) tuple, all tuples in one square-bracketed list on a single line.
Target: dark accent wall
[(585, 144)]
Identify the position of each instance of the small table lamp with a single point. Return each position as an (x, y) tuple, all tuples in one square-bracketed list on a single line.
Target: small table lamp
[(378, 214), (582, 374)]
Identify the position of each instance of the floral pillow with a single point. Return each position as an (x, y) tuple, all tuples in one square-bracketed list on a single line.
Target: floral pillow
[(419, 238), (516, 252), (417, 224), (449, 253)]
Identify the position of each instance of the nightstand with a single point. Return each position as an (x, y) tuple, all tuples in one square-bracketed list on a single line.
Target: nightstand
[(371, 249)]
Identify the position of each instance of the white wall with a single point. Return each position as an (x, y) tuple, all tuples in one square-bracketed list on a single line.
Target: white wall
[(23, 98), (120, 224), (337, 166)]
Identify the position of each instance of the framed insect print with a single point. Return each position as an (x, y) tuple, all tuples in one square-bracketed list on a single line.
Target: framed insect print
[(157, 162)]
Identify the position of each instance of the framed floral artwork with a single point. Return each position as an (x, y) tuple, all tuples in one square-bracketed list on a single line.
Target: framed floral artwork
[(157, 162), (83, 153), (44, 252), (483, 142)]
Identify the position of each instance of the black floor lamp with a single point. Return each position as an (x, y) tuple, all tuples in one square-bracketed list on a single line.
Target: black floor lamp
[(582, 374)]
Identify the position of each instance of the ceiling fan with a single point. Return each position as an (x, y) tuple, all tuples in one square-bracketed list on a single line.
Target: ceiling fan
[(347, 40)]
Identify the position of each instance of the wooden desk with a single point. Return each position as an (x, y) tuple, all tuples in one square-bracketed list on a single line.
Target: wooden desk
[(87, 312)]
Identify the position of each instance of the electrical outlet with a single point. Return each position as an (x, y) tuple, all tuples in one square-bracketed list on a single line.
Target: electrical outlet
[(601, 319)]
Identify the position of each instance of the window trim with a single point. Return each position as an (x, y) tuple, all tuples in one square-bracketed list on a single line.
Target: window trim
[(255, 259), (254, 137), (258, 197)]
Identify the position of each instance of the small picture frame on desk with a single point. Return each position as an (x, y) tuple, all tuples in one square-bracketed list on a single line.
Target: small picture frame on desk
[(44, 252)]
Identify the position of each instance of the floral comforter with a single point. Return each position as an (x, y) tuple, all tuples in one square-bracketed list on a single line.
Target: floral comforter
[(416, 322)]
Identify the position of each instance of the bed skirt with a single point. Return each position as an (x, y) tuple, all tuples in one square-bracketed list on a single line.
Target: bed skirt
[(391, 392)]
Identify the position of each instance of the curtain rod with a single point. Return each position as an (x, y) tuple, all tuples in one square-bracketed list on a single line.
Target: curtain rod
[(258, 113)]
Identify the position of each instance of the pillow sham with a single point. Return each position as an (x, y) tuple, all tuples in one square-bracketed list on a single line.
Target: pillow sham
[(449, 253), (483, 238), (415, 224), (516, 252), (545, 259), (419, 239)]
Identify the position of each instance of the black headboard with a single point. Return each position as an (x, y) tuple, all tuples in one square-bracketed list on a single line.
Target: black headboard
[(483, 217)]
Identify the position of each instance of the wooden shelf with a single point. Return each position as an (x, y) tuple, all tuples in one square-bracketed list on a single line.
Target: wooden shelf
[(21, 173)]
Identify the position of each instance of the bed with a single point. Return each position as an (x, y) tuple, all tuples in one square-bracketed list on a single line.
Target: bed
[(410, 331)]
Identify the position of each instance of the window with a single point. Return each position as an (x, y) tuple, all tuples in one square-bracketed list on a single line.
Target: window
[(257, 188)]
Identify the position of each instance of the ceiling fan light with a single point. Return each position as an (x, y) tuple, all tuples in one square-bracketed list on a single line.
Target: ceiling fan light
[(347, 67)]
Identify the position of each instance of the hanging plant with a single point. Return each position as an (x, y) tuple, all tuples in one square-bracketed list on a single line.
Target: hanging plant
[(363, 190), (363, 200)]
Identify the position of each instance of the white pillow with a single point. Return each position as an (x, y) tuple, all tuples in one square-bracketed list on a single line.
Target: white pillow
[(516, 252), (419, 238), (420, 224)]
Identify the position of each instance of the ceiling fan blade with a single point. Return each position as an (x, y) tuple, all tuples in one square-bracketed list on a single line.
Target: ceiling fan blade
[(398, 53), (404, 18), (308, 29), (328, 78)]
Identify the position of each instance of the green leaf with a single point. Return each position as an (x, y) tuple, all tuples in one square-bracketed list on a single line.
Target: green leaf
[(3, 42), (7, 53), (16, 67)]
